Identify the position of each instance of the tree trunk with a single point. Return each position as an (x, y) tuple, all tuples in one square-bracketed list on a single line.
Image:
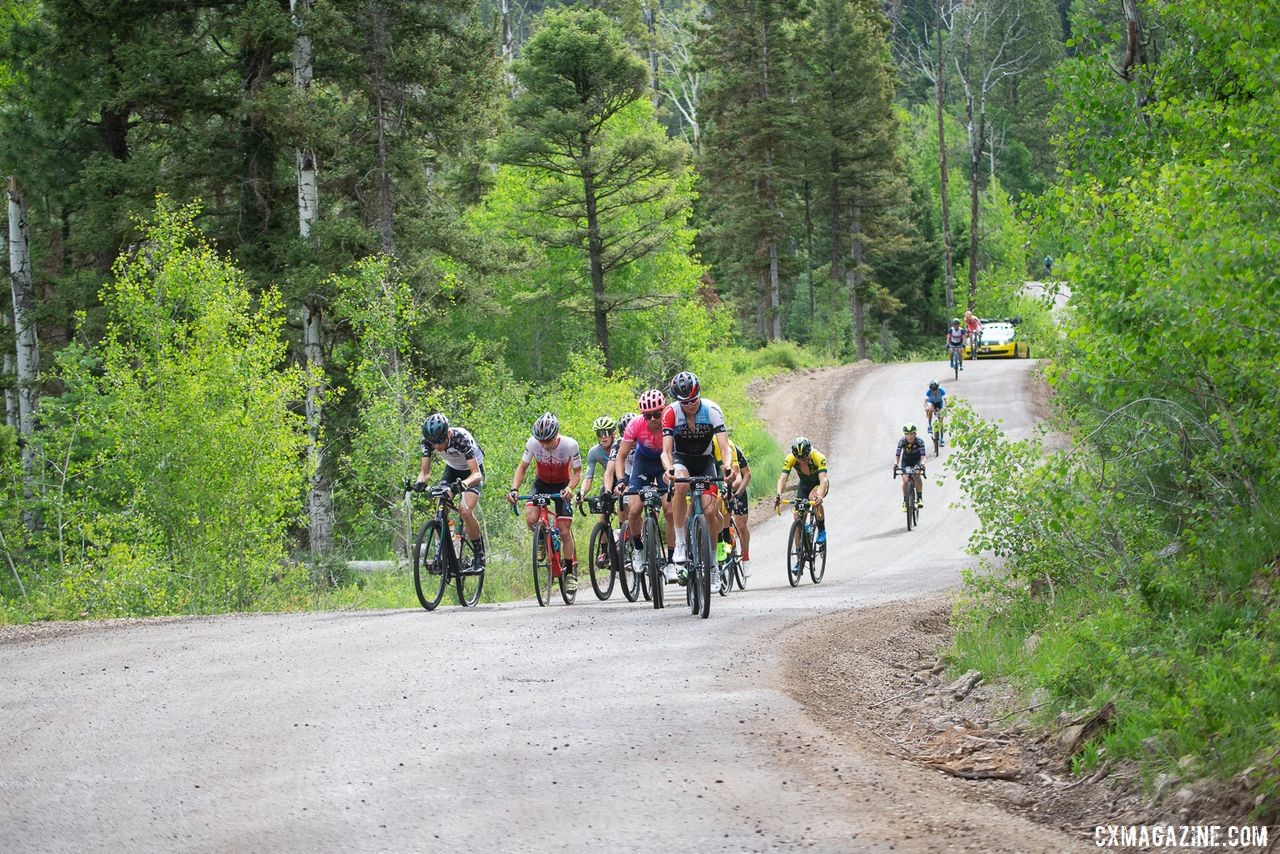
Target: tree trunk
[(975, 171), (385, 214), (857, 255), (1135, 56), (939, 100), (321, 503), (508, 46), (10, 393), (595, 260), (28, 350), (650, 11), (308, 192), (808, 247)]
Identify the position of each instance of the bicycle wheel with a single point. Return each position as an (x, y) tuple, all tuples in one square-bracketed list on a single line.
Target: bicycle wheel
[(542, 564), (795, 553), (937, 436), (469, 581), (568, 583), (911, 504), (429, 573), (705, 566), (955, 362), (628, 578), (692, 587), (602, 555), (652, 561), (818, 562)]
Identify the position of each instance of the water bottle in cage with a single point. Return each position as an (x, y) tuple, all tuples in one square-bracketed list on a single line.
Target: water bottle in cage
[(555, 538)]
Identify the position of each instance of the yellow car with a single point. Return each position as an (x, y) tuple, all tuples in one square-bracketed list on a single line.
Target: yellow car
[(999, 338)]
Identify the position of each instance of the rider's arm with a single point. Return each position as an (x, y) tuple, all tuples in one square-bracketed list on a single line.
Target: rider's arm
[(730, 464), (424, 472), (619, 463), (744, 478), (575, 477), (668, 453), (822, 484), (518, 477), (475, 476)]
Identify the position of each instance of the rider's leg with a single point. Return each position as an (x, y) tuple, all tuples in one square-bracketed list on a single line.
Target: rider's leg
[(567, 547), (680, 509)]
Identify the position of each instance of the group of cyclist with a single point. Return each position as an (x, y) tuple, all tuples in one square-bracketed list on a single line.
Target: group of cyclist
[(662, 445), (964, 333)]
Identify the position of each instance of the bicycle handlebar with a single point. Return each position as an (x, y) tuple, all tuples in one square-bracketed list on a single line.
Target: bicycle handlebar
[(541, 499), (899, 470)]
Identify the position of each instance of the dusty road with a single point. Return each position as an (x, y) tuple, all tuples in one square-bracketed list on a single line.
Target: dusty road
[(602, 726)]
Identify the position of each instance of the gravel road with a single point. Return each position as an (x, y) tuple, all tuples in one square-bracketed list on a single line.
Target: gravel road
[(601, 726)]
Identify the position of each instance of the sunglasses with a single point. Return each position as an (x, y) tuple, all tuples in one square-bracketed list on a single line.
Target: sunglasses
[(652, 416)]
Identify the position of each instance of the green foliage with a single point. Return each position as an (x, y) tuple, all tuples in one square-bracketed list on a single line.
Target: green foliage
[(175, 455)]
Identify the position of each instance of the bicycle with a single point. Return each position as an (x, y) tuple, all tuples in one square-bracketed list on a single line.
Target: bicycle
[(912, 497), (439, 559), (802, 550), (547, 563), (731, 566), (652, 579), (955, 359), (702, 558), (603, 552), (936, 429)]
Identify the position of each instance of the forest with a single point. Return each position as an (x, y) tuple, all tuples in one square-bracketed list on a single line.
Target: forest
[(251, 245)]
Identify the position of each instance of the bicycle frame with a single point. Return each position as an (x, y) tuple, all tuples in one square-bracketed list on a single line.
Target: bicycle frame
[(804, 524), (702, 555), (450, 569), (543, 500), (651, 510)]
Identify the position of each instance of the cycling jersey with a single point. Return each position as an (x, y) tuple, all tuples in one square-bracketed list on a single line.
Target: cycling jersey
[(598, 456), (910, 454), (955, 337), (974, 325), (647, 442), (553, 465), (459, 448), (740, 459), (816, 463), (936, 398), (630, 460), (695, 435)]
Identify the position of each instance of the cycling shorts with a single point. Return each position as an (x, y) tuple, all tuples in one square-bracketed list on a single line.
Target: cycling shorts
[(700, 465), (646, 471), (738, 503), (564, 507), (452, 474)]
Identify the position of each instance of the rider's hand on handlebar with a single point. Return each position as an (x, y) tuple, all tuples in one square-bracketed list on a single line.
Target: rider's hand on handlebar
[(817, 500), (456, 487), (511, 496), (420, 486)]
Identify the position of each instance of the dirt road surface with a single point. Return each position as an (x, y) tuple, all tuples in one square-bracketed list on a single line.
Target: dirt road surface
[(601, 726)]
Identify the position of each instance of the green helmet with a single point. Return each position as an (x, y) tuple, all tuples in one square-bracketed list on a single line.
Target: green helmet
[(908, 427), (604, 424)]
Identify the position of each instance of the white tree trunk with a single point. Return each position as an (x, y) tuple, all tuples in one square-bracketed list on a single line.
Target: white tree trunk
[(10, 394), (508, 47), (308, 190), (321, 505), (28, 350)]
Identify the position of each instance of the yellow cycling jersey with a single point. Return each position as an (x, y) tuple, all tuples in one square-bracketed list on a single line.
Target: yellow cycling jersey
[(739, 458), (817, 464)]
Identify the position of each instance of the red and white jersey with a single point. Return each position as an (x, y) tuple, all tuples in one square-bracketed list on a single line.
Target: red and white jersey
[(553, 465)]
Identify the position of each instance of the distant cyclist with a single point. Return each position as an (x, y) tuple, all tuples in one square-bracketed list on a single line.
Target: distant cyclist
[(605, 428), (558, 468), (955, 340), (973, 330), (935, 397), (738, 505), (910, 452), (463, 472), (811, 468)]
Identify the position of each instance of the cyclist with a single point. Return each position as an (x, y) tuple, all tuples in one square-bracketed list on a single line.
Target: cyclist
[(955, 339), (811, 468), (935, 397), (738, 505), (910, 452), (690, 427), (973, 329), (1048, 266), (558, 468), (640, 451), (599, 455), (464, 472)]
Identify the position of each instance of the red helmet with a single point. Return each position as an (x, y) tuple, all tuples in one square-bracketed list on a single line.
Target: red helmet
[(651, 401)]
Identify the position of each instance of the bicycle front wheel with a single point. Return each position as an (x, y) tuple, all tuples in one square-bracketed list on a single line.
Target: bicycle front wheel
[(430, 575), (469, 581), (955, 362), (542, 564), (706, 564), (795, 553), (652, 562), (911, 504), (628, 578), (602, 555)]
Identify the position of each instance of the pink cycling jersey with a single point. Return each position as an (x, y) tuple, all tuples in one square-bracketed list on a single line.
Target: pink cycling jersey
[(553, 465), (648, 441)]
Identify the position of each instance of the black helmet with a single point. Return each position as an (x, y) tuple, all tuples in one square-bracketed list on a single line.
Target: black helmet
[(435, 428), (801, 447), (684, 387), (933, 386)]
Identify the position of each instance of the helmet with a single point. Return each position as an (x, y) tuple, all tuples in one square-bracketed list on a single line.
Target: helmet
[(435, 428), (684, 387), (625, 420), (955, 320), (546, 427), (801, 447), (908, 427), (604, 423), (651, 400), (933, 386)]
